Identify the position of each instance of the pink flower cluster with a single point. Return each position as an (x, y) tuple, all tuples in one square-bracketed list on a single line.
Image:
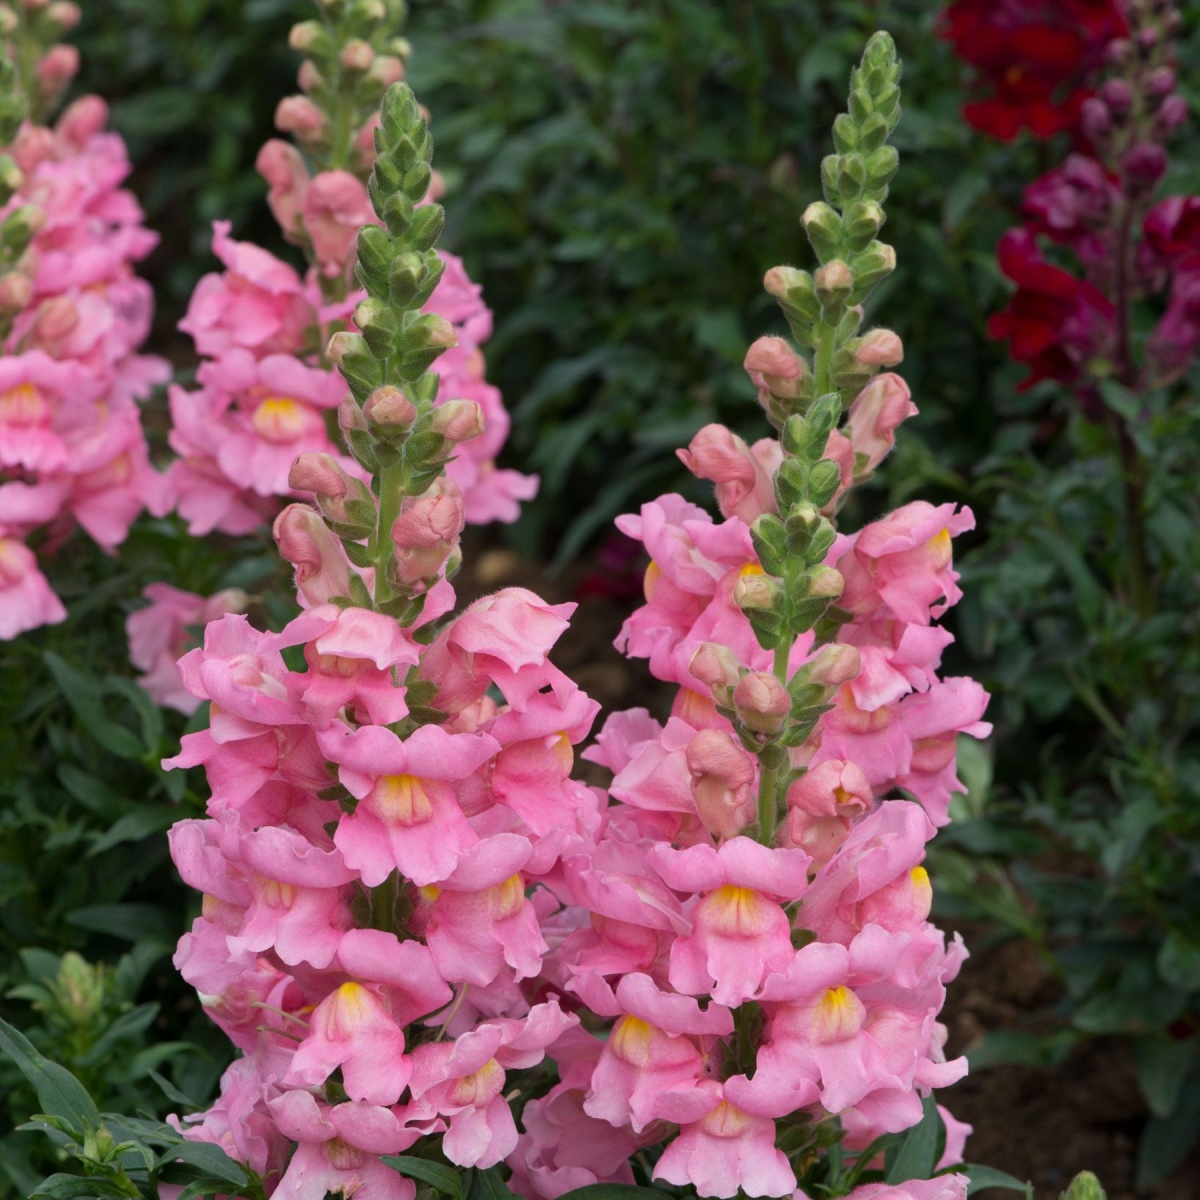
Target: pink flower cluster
[(820, 943), (378, 907), (72, 450), (265, 394)]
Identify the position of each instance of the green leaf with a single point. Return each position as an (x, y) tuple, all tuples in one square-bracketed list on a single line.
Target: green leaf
[(445, 1179), (487, 1185), (58, 1091), (205, 1156), (1162, 1066), (613, 1191), (130, 921), (1167, 1141), (86, 700), (72, 1187), (988, 1177), (917, 1154), (133, 827), (1179, 962)]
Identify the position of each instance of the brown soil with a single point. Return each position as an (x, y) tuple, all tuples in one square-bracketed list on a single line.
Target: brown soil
[(1038, 1124), (1043, 1125)]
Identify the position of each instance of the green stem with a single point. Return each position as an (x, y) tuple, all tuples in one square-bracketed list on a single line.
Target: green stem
[(393, 486), (768, 802), (824, 356)]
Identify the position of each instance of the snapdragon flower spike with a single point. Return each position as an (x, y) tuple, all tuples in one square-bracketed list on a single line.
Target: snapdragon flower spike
[(382, 861), (72, 318), (759, 933), (268, 383)]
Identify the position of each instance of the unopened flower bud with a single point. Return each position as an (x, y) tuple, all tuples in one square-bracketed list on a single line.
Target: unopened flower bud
[(834, 279), (64, 14), (827, 583), (8, 21), (304, 539), (1085, 1186), (1119, 52), (762, 702), (756, 591), (16, 291), (781, 368), (432, 330), (350, 416), (388, 406), (717, 667), (1095, 119), (56, 318), (1147, 38), (1142, 166), (319, 474), (1160, 83), (343, 343), (457, 420), (1172, 114), (794, 290), (81, 119), (386, 70), (309, 77), (425, 534), (58, 67), (833, 665), (824, 228), (1118, 98), (356, 55), (299, 115), (307, 36), (880, 348), (722, 782)]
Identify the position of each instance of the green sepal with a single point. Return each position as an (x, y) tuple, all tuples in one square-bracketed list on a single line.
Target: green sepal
[(770, 543), (358, 554)]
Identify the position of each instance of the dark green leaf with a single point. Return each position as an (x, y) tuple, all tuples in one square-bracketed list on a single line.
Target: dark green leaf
[(59, 1093), (917, 1155), (983, 1178), (445, 1179)]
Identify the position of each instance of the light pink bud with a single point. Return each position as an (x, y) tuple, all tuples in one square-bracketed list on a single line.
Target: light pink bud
[(881, 348), (389, 406), (834, 276), (81, 120), (341, 344), (778, 281), (8, 21), (65, 14), (436, 331), (834, 665), (356, 55), (756, 591), (299, 115), (56, 318), (364, 139), (309, 77), (722, 782), (350, 416), (319, 474), (717, 667), (457, 420), (386, 70), (762, 702), (304, 539), (304, 35), (16, 291), (33, 145), (827, 583), (282, 166), (773, 356), (426, 533), (58, 67), (876, 413)]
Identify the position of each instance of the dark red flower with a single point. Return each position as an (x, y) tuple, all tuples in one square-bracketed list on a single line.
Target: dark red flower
[(1033, 59), (1054, 322)]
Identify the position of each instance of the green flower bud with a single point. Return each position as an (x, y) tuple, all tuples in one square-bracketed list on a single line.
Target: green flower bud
[(1085, 1186), (824, 229)]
